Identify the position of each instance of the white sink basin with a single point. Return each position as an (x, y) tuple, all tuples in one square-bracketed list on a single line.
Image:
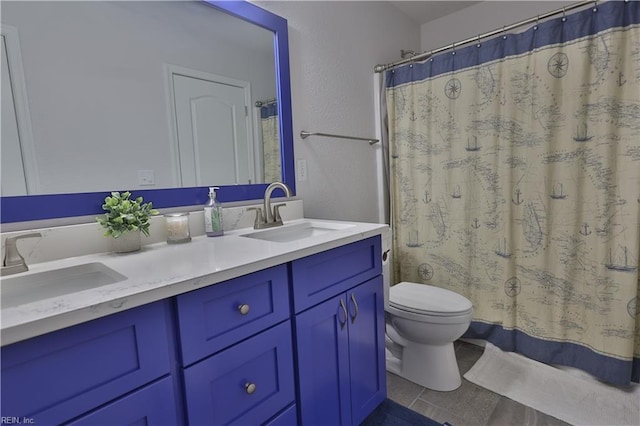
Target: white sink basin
[(296, 231), (29, 288)]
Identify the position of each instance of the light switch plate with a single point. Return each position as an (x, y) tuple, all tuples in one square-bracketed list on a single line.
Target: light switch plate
[(146, 178), (301, 170)]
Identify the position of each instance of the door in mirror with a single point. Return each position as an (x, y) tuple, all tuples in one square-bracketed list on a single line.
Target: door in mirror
[(214, 137)]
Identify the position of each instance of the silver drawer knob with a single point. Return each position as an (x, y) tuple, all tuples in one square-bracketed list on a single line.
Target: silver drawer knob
[(243, 309), (250, 387)]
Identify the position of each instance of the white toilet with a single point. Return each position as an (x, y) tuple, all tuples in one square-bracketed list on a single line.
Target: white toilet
[(422, 322)]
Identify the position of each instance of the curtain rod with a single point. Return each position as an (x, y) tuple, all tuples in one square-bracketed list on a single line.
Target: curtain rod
[(267, 102), (427, 55)]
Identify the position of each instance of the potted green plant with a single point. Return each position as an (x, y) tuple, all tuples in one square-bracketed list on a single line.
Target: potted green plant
[(125, 219)]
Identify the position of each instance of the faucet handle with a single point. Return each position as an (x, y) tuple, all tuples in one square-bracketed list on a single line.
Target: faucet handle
[(259, 216), (276, 212)]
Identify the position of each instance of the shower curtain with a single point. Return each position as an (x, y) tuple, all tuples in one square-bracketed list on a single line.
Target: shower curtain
[(271, 143), (515, 181)]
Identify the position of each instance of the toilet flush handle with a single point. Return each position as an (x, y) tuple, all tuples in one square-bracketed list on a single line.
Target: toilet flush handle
[(355, 305)]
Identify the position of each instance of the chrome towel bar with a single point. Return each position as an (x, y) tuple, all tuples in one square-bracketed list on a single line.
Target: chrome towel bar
[(304, 134)]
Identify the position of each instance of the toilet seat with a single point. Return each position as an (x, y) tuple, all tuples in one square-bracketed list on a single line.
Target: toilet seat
[(428, 300)]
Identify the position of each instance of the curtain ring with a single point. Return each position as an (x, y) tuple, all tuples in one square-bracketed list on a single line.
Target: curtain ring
[(595, 6), (431, 57), (535, 27), (453, 46), (411, 57), (478, 44), (564, 16), (504, 30)]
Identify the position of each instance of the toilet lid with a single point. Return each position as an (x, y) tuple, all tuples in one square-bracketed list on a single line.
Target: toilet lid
[(421, 298)]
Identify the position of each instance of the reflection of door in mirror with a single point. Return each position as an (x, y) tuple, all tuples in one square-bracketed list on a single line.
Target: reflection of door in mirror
[(213, 129)]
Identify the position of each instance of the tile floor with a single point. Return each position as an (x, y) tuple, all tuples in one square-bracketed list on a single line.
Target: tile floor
[(469, 405)]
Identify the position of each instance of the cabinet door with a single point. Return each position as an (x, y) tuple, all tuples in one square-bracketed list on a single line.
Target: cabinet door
[(366, 348), (323, 364), (152, 405)]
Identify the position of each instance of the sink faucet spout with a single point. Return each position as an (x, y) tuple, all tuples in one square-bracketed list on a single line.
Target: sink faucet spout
[(13, 261), (269, 214), (270, 217)]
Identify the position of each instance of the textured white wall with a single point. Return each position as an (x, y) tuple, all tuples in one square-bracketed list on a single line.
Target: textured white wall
[(333, 49), (481, 18)]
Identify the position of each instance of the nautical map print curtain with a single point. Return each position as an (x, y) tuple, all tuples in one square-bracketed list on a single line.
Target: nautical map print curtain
[(271, 143), (515, 168)]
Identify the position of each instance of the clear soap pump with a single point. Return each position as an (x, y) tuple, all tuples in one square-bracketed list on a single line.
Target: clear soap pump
[(213, 215)]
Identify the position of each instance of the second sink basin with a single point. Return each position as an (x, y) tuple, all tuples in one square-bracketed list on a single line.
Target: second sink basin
[(296, 231), (15, 291)]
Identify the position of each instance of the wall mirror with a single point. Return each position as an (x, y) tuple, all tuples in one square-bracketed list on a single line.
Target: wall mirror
[(161, 98)]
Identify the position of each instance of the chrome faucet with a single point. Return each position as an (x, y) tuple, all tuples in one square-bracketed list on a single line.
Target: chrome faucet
[(269, 218), (13, 262)]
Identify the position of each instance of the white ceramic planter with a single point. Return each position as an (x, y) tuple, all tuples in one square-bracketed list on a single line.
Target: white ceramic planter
[(127, 242)]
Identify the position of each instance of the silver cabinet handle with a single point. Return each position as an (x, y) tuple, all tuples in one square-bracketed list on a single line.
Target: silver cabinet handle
[(344, 309), (355, 305), (250, 387), (244, 309)]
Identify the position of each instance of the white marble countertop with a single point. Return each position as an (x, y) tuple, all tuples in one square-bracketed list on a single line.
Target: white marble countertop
[(162, 270)]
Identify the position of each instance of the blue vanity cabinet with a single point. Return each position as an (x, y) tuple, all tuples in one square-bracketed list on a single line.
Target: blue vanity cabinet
[(57, 377), (299, 343), (236, 345), (340, 340)]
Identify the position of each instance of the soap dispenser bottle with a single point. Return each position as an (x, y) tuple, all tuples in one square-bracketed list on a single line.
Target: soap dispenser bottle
[(213, 215)]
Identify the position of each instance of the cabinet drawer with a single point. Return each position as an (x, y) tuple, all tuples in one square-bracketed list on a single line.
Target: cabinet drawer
[(210, 319), (323, 275), (288, 417), (152, 405), (61, 375), (216, 388)]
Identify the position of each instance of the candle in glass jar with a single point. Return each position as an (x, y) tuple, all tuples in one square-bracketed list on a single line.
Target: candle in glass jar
[(177, 228)]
